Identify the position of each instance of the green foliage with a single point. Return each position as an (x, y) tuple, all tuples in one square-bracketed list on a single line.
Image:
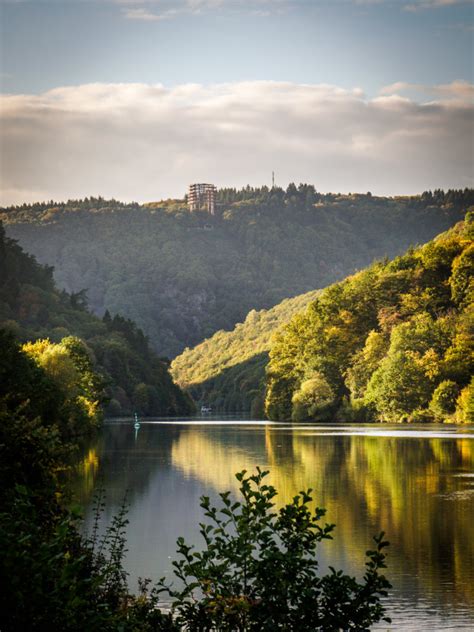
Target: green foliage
[(70, 368), (462, 279), (444, 398), (189, 275), (31, 456), (393, 342), (313, 399), (111, 355), (406, 377), (465, 404), (23, 383), (364, 362), (55, 579), (227, 370), (259, 569), (52, 577)]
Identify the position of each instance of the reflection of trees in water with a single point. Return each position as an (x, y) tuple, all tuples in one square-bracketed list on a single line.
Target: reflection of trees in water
[(403, 485), (410, 488), (121, 461), (214, 457), (406, 486)]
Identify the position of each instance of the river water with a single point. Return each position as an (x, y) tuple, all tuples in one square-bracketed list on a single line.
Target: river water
[(415, 483)]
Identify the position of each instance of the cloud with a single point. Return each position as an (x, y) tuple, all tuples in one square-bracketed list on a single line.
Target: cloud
[(461, 90), (167, 9), (416, 5), (419, 5), (144, 142), (146, 15)]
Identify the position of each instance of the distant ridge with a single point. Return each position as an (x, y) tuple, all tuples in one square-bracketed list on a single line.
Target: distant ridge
[(182, 276)]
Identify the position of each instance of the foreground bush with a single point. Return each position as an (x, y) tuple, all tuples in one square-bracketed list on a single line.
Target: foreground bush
[(259, 570)]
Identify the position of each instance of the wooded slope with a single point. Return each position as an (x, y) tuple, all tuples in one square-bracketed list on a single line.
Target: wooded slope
[(227, 371), (183, 276), (391, 343), (32, 308)]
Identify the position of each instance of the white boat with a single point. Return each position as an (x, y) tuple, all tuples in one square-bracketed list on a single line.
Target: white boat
[(205, 409)]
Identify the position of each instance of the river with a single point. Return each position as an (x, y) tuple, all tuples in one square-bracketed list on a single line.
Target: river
[(416, 483)]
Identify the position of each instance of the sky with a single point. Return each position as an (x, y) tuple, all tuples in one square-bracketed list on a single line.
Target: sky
[(135, 99)]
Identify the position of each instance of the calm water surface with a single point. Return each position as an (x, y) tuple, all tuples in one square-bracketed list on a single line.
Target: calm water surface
[(416, 483)]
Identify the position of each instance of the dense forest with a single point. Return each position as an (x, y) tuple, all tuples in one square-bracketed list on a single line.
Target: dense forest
[(58, 331), (183, 276), (391, 343), (227, 371)]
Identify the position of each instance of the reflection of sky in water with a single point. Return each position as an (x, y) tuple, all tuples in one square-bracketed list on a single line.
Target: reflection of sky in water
[(338, 430), (413, 483)]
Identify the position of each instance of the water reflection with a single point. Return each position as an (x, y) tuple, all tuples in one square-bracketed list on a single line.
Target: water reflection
[(418, 487)]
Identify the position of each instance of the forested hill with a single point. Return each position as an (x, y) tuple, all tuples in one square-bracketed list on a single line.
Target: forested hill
[(394, 342), (227, 371), (32, 308), (183, 276)]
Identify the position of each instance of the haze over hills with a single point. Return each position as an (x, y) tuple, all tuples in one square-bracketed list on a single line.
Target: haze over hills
[(183, 276)]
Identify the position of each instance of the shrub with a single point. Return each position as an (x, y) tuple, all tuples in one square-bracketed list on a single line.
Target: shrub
[(259, 569)]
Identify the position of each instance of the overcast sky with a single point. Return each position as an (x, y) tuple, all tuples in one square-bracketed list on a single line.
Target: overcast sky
[(135, 99)]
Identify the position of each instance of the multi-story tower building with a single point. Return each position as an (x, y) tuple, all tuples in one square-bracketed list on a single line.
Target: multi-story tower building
[(202, 197)]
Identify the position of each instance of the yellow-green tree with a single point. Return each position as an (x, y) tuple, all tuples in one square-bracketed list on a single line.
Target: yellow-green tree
[(69, 366)]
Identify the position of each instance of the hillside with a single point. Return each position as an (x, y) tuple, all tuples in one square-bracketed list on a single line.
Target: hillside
[(391, 343), (183, 276), (227, 370), (32, 308)]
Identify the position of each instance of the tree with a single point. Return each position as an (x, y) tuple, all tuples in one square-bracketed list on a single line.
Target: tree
[(259, 569), (408, 374), (68, 366), (364, 362), (24, 384), (462, 278), (313, 399), (59, 366), (79, 300), (141, 399), (444, 398), (465, 404)]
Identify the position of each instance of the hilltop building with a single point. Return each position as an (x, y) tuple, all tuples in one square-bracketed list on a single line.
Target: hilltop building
[(202, 197)]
